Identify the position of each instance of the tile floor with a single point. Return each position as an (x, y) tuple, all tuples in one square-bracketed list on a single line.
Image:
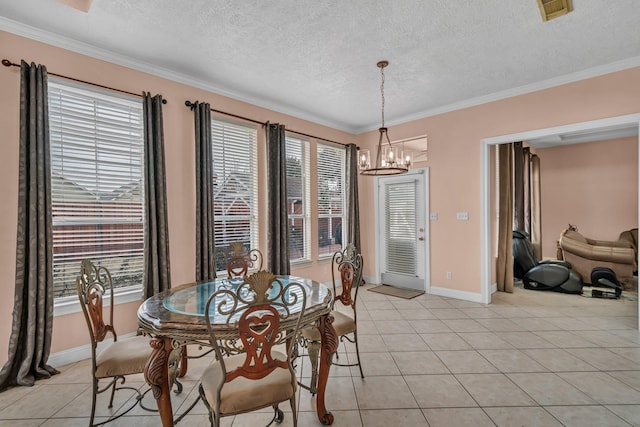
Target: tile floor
[(528, 359)]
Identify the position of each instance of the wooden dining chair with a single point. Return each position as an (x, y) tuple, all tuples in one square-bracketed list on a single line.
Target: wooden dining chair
[(240, 261), (248, 373), (347, 267)]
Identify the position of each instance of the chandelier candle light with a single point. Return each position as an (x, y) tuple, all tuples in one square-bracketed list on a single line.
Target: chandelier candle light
[(390, 160)]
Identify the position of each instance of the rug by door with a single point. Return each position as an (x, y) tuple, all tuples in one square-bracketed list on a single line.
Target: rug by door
[(396, 292)]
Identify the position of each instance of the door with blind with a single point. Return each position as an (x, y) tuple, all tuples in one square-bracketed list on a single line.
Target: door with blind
[(402, 213)]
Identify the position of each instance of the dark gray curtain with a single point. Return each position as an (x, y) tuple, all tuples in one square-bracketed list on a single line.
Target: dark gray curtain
[(351, 194), (277, 227), (30, 341), (205, 234), (504, 262), (157, 268)]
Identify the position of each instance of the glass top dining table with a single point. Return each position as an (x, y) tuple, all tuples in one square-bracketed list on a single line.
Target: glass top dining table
[(175, 318)]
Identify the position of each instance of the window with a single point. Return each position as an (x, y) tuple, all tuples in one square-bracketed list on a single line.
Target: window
[(331, 180), (96, 184), (298, 198), (235, 189)]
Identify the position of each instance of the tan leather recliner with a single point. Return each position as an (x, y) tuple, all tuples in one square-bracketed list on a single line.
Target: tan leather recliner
[(585, 254)]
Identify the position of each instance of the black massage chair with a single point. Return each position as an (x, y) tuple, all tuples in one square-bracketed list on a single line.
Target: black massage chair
[(545, 275)]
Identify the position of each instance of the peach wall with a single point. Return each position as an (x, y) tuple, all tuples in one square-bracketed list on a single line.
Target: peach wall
[(69, 330), (592, 185), (455, 162)]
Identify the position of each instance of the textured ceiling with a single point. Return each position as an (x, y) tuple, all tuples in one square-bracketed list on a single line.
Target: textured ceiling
[(317, 59)]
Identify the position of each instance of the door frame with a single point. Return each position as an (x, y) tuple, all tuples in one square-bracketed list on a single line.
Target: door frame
[(427, 238), (485, 182)]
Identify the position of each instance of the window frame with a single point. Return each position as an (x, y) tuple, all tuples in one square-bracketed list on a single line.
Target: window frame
[(305, 216), (252, 166), (69, 303), (341, 153)]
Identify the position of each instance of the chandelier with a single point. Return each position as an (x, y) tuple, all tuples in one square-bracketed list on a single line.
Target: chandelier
[(390, 159)]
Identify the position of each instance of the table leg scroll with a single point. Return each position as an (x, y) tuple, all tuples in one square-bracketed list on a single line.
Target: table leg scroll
[(328, 346), (156, 373)]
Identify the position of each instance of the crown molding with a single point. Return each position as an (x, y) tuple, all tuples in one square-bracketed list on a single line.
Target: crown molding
[(509, 93)]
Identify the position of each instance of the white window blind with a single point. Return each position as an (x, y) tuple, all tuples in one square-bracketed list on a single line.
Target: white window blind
[(96, 145), (331, 202), (400, 227), (298, 198), (235, 185)]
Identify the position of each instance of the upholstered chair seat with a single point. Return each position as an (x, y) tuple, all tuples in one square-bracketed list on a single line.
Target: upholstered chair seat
[(125, 357), (342, 323)]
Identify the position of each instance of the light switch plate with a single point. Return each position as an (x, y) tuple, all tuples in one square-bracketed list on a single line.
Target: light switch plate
[(462, 216), (433, 216)]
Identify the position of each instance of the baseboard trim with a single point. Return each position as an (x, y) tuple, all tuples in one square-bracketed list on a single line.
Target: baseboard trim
[(494, 288), (76, 354), (453, 293)]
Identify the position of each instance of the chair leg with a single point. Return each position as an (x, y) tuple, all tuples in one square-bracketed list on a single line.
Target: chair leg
[(314, 356), (294, 412), (355, 336), (113, 393), (93, 401)]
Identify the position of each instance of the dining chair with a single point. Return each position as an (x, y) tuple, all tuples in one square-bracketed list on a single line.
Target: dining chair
[(248, 373), (240, 261), (116, 359), (346, 266)]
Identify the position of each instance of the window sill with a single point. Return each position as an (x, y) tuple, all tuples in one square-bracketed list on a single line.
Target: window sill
[(70, 305)]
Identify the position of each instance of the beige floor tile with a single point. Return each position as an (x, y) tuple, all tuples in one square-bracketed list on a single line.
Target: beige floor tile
[(564, 339), (501, 325), (366, 327), (630, 378), (465, 325), (374, 364), (435, 303), (445, 341), (36, 422), (393, 326), (449, 313), (550, 389), (405, 304), (459, 417), (602, 388), (418, 314), (580, 416), (384, 393), (339, 395), (603, 359), (368, 343), (494, 390), (631, 353), (605, 339), (512, 361), (44, 402), (404, 342), (428, 326), (629, 413), (485, 340), (378, 315), (522, 416), (480, 313), (393, 417), (439, 391), (535, 324), (466, 361), (558, 360), (419, 363), (340, 419), (524, 340)]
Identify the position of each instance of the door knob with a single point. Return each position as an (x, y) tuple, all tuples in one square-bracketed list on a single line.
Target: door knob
[(420, 238)]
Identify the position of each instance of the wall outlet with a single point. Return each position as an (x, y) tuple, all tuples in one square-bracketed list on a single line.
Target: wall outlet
[(433, 216), (449, 275), (462, 216)]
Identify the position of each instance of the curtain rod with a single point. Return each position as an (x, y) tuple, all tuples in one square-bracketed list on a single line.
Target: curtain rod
[(192, 105), (8, 63)]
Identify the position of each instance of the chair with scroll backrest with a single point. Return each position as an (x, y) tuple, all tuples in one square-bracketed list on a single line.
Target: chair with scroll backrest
[(240, 261), (118, 358), (348, 265), (248, 373)]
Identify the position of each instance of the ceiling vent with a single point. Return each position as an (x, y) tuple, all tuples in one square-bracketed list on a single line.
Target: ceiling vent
[(551, 9)]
